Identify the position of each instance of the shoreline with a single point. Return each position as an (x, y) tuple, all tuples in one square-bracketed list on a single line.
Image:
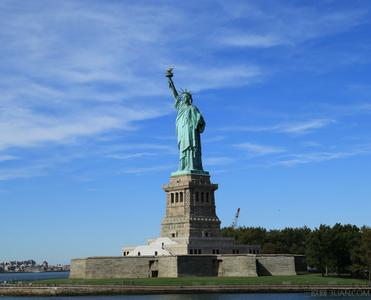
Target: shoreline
[(90, 290)]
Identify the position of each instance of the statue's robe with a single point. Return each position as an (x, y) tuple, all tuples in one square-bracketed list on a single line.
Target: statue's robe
[(189, 125)]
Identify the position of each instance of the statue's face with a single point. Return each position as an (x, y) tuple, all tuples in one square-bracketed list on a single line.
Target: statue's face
[(187, 99)]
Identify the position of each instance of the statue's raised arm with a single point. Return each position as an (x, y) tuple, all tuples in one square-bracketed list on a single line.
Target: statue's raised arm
[(169, 75)]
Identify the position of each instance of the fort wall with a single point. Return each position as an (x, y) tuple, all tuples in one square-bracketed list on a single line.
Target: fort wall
[(184, 265)]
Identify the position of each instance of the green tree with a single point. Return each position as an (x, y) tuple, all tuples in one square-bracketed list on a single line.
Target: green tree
[(318, 251), (345, 239), (288, 240), (270, 248), (365, 249), (294, 239), (341, 248), (246, 235)]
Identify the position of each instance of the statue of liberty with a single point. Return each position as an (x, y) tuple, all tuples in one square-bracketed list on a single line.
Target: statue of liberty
[(189, 126)]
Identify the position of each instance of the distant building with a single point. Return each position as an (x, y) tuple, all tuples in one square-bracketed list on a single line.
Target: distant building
[(30, 266)]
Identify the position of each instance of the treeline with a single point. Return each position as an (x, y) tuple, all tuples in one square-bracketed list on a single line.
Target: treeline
[(338, 249)]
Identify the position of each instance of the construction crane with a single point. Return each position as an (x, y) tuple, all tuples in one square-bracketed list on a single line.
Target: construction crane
[(235, 220)]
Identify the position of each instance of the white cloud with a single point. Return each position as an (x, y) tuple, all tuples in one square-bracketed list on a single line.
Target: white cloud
[(7, 157), (306, 158), (217, 161), (366, 107), (22, 172), (303, 127), (214, 139), (285, 24), (24, 128), (251, 40), (68, 59), (118, 149), (348, 109), (292, 128), (210, 77), (130, 155), (60, 81), (292, 159), (257, 149), (150, 169), (311, 144)]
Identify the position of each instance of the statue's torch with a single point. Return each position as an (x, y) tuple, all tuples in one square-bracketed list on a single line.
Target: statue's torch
[(169, 73)]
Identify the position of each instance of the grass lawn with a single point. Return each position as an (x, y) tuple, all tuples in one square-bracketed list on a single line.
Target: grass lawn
[(308, 279)]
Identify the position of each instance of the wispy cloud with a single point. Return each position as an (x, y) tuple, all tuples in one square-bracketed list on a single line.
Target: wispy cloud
[(150, 169), (67, 60), (7, 158), (311, 144), (217, 161), (211, 77), (366, 107), (22, 172), (301, 127), (357, 108), (214, 139), (293, 159), (130, 155), (144, 148), (257, 149), (316, 157), (23, 127), (75, 71), (286, 24), (251, 40)]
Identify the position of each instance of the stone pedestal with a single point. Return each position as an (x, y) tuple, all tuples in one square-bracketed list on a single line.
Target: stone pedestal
[(191, 220), (190, 208)]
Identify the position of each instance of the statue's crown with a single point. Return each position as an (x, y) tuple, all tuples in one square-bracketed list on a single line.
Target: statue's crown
[(185, 92)]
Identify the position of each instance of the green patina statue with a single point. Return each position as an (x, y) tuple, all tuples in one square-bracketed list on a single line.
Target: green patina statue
[(189, 126)]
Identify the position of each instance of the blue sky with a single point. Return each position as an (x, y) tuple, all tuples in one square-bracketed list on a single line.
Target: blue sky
[(87, 124)]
